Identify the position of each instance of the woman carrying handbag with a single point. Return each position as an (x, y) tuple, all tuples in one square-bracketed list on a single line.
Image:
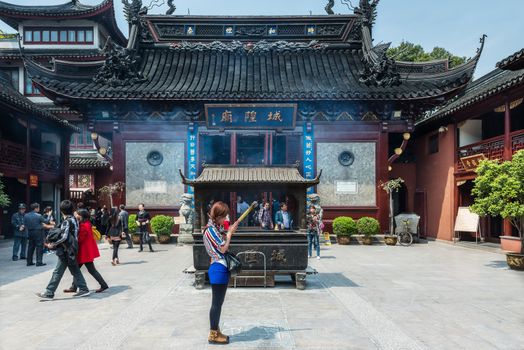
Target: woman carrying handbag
[(217, 246), (87, 251)]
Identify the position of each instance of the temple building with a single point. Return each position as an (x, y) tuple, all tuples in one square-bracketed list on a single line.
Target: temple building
[(261, 91)]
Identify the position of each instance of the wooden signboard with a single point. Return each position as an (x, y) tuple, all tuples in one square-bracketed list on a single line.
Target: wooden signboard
[(472, 162), (466, 221)]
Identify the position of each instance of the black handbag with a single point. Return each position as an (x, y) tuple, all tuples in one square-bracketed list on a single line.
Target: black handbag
[(233, 264)]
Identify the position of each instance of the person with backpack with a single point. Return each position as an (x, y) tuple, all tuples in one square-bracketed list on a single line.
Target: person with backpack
[(87, 251), (115, 233), (64, 241)]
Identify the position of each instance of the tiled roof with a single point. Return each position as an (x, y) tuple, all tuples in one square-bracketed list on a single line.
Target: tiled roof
[(70, 54), (493, 83), (515, 61), (15, 100), (331, 73), (249, 175), (87, 162)]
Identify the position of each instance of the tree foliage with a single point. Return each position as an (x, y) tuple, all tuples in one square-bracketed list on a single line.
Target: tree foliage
[(410, 52), (499, 190), (4, 199)]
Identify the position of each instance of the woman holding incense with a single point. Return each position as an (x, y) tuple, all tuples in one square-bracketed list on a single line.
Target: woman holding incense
[(216, 247)]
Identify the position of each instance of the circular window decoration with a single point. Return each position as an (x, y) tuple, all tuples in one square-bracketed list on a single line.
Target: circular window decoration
[(346, 158), (155, 158)]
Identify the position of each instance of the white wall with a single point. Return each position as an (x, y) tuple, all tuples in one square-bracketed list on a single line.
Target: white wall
[(470, 132)]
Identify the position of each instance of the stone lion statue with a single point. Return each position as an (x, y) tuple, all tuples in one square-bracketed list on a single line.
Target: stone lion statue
[(314, 200), (186, 208)]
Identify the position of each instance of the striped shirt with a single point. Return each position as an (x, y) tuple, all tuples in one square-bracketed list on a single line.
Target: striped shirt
[(213, 241)]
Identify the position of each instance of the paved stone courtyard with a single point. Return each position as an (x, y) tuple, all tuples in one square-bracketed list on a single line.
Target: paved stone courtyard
[(428, 296)]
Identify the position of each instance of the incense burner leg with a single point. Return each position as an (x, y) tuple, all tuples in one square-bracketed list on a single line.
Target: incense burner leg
[(200, 280), (300, 280)]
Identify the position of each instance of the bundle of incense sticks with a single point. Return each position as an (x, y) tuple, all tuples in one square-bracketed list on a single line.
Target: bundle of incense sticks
[(246, 213)]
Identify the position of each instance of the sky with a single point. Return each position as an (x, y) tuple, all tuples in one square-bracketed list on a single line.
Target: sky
[(455, 25)]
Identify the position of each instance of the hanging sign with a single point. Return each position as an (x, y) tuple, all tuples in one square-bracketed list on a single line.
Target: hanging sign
[(192, 133), (309, 155), (472, 162), (251, 116)]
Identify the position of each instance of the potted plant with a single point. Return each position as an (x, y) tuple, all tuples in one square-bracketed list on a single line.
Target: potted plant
[(133, 229), (344, 227), (391, 186), (162, 227), (499, 191), (368, 227)]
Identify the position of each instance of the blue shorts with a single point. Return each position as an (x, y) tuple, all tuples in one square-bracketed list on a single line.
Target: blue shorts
[(218, 274)]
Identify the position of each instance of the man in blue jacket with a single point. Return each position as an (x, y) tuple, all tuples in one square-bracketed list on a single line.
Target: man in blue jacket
[(283, 218), (35, 223), (20, 232)]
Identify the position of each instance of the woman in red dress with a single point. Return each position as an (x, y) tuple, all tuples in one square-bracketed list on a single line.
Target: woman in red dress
[(87, 250)]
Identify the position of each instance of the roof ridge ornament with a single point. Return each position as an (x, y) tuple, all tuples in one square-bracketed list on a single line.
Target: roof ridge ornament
[(121, 66), (172, 7), (262, 46), (329, 7)]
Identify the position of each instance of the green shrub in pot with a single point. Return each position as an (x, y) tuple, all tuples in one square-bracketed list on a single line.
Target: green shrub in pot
[(344, 226), (368, 226)]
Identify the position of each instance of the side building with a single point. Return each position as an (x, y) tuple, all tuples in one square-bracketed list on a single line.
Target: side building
[(34, 153), (486, 121), (70, 31)]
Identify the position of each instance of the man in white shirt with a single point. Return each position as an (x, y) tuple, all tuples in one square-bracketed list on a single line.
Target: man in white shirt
[(242, 206)]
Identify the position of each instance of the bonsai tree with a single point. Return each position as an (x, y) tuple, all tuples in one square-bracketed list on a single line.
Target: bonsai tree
[(499, 190), (131, 224), (344, 226), (162, 225), (391, 186), (4, 198), (368, 226), (112, 189)]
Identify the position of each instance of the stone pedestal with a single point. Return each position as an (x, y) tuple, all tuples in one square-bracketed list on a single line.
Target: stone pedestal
[(185, 234)]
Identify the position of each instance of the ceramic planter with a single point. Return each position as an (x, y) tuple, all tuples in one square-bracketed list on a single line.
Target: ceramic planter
[(367, 240), (164, 239), (390, 239), (515, 261), (343, 240)]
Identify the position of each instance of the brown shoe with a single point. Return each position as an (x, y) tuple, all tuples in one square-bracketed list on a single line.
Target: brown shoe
[(69, 290), (215, 337), (223, 335)]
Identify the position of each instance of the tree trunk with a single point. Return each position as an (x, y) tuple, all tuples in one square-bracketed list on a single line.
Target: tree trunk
[(391, 223)]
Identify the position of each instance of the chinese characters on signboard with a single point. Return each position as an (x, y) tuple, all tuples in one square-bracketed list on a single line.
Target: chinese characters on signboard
[(309, 156), (251, 116), (192, 154)]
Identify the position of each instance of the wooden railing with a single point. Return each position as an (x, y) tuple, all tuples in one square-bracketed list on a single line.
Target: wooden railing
[(13, 156), (492, 149)]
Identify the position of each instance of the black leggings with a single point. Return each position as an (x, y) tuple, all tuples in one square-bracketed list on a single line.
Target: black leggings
[(93, 272), (219, 294), (116, 244)]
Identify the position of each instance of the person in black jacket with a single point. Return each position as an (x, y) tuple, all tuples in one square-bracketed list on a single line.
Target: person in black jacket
[(142, 220), (66, 247)]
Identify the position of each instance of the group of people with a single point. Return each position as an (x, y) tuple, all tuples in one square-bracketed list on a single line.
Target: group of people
[(73, 240)]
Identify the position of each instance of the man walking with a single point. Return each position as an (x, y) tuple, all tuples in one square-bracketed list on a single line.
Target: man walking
[(124, 217), (20, 233), (35, 226), (66, 250)]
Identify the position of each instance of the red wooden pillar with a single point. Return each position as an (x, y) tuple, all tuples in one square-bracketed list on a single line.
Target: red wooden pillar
[(66, 149), (28, 162), (507, 153), (382, 176)]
